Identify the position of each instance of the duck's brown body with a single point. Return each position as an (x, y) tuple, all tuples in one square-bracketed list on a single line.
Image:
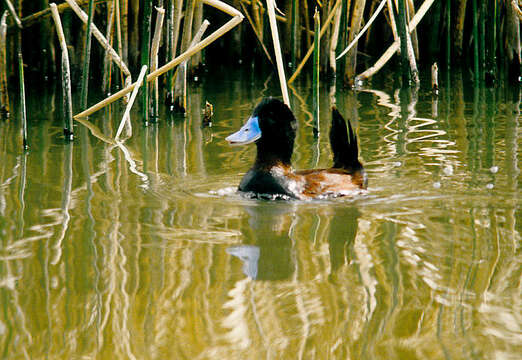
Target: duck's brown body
[(272, 127)]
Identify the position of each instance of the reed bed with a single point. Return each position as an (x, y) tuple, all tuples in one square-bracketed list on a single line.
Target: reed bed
[(349, 43)]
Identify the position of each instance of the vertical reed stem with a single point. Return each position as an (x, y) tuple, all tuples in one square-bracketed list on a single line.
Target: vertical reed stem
[(4, 94), (154, 59), (475, 42), (401, 23), (294, 38), (145, 55), (23, 114), (448, 34), (277, 48), (66, 76), (107, 63), (315, 77), (86, 57), (482, 37)]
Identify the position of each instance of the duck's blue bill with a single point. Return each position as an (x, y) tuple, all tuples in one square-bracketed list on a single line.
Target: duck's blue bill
[(249, 133)]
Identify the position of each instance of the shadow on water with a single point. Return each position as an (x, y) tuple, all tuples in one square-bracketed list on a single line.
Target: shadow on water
[(143, 249)]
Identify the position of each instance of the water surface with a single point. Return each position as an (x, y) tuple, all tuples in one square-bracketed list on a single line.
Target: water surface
[(145, 250)]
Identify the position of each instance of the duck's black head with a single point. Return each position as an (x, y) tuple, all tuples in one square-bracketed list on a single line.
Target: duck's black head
[(272, 127)]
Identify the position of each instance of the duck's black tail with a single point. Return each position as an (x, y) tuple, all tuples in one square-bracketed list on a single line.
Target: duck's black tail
[(344, 144)]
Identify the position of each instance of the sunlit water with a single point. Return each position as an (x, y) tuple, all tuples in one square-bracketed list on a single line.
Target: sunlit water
[(145, 251)]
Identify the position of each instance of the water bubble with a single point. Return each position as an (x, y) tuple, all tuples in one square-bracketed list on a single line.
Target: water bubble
[(397, 163), (490, 186), (436, 185), (493, 169)]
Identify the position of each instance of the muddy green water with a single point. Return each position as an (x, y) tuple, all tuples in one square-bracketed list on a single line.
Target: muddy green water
[(145, 251)]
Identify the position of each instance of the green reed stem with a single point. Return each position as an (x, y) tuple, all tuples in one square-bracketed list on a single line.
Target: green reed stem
[(4, 94), (401, 24), (23, 113), (87, 57), (294, 37), (145, 55), (448, 34), (475, 42), (315, 78), (482, 37)]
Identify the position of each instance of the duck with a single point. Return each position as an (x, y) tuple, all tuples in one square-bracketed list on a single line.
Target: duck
[(272, 127)]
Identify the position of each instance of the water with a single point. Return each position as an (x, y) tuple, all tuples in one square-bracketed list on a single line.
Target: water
[(146, 251)]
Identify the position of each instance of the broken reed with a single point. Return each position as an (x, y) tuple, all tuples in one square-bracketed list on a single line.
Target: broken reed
[(66, 76), (4, 94)]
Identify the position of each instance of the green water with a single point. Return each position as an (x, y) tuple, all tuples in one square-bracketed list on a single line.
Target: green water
[(145, 251)]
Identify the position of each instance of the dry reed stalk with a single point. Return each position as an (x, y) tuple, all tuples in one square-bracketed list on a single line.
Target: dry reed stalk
[(258, 22), (423, 9), (179, 98), (124, 11), (107, 73), (361, 33), (277, 49), (42, 14), (15, 16), (99, 36), (311, 49), (237, 17), (410, 10), (435, 78), (183, 67), (259, 36), (316, 69), (66, 76), (459, 27), (4, 94), (515, 6), (154, 58), (308, 31), (126, 117), (355, 25), (335, 39), (392, 21), (197, 59), (118, 32)]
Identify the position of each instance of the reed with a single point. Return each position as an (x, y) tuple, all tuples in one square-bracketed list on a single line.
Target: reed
[(15, 16), (277, 49), (23, 113), (448, 34), (294, 40), (86, 56), (4, 93), (126, 115), (316, 67), (476, 73), (180, 86), (237, 17), (107, 68), (66, 76), (154, 59), (401, 24), (145, 56)]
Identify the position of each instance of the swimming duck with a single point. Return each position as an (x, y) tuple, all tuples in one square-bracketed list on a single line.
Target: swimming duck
[(272, 126)]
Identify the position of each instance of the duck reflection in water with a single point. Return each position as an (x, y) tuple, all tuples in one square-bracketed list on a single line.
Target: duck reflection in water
[(268, 251)]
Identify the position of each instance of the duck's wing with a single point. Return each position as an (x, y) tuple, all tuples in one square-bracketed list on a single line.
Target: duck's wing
[(344, 143)]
